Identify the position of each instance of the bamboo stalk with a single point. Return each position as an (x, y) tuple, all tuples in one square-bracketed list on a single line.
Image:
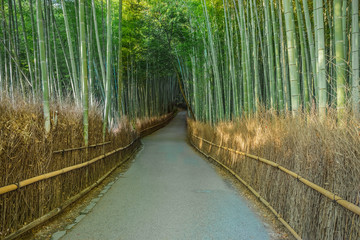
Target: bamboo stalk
[(44, 72)]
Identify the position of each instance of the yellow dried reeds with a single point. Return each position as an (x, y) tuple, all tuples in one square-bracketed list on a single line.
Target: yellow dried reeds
[(324, 153), (26, 153)]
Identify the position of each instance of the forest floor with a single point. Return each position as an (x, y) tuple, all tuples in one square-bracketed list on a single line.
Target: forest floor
[(171, 192)]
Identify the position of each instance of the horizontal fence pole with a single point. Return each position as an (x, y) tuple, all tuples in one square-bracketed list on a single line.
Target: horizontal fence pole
[(346, 204), (106, 143), (156, 125), (29, 181), (21, 184), (80, 148), (57, 210), (266, 203)]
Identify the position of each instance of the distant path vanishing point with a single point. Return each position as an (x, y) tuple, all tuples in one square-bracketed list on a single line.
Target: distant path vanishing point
[(170, 192)]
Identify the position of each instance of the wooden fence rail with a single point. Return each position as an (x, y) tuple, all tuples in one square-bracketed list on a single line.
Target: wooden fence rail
[(332, 196), (82, 147), (27, 182)]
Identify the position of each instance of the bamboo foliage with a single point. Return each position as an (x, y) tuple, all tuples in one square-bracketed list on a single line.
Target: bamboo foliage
[(278, 54), (233, 57), (35, 59)]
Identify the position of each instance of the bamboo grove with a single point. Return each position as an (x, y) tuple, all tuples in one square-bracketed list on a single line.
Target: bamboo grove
[(284, 55), (229, 58), (87, 52)]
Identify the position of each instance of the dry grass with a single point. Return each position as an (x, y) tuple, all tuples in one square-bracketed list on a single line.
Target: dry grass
[(25, 152), (322, 152), (150, 121)]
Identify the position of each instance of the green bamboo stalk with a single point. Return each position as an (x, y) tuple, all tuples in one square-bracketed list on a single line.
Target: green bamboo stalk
[(89, 28), (344, 28), (35, 49), (310, 40), (72, 55), (271, 69), (248, 61), (292, 56), (279, 84), (284, 62), (255, 58), (44, 72), (355, 57), (108, 67), (102, 67), (339, 58), (84, 71), (120, 63), (27, 49), (218, 88), (303, 57), (321, 58)]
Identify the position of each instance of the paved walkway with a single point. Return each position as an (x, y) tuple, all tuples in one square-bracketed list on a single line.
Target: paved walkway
[(170, 192)]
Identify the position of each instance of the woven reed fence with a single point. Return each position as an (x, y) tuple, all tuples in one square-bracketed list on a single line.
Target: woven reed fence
[(306, 209), (44, 176)]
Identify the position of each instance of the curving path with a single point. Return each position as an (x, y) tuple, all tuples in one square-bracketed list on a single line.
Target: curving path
[(170, 192)]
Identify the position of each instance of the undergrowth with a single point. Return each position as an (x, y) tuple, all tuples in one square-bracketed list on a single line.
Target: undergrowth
[(324, 152), (26, 152)]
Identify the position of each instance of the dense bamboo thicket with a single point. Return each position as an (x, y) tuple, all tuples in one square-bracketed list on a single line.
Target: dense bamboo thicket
[(317, 150), (286, 55), (76, 50)]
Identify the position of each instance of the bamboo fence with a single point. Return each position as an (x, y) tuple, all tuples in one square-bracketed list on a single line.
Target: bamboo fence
[(43, 181), (234, 166)]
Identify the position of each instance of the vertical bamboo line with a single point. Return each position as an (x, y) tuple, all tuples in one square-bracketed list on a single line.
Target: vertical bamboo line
[(44, 72)]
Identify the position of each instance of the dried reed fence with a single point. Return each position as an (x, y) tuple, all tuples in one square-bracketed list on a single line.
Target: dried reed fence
[(25, 153), (323, 153)]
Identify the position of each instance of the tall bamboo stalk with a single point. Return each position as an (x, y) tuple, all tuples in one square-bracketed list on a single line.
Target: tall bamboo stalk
[(84, 71), (44, 72), (292, 55), (355, 56), (321, 77), (339, 57), (71, 52), (108, 67), (120, 63)]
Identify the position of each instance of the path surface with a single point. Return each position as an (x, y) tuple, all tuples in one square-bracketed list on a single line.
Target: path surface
[(170, 192)]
